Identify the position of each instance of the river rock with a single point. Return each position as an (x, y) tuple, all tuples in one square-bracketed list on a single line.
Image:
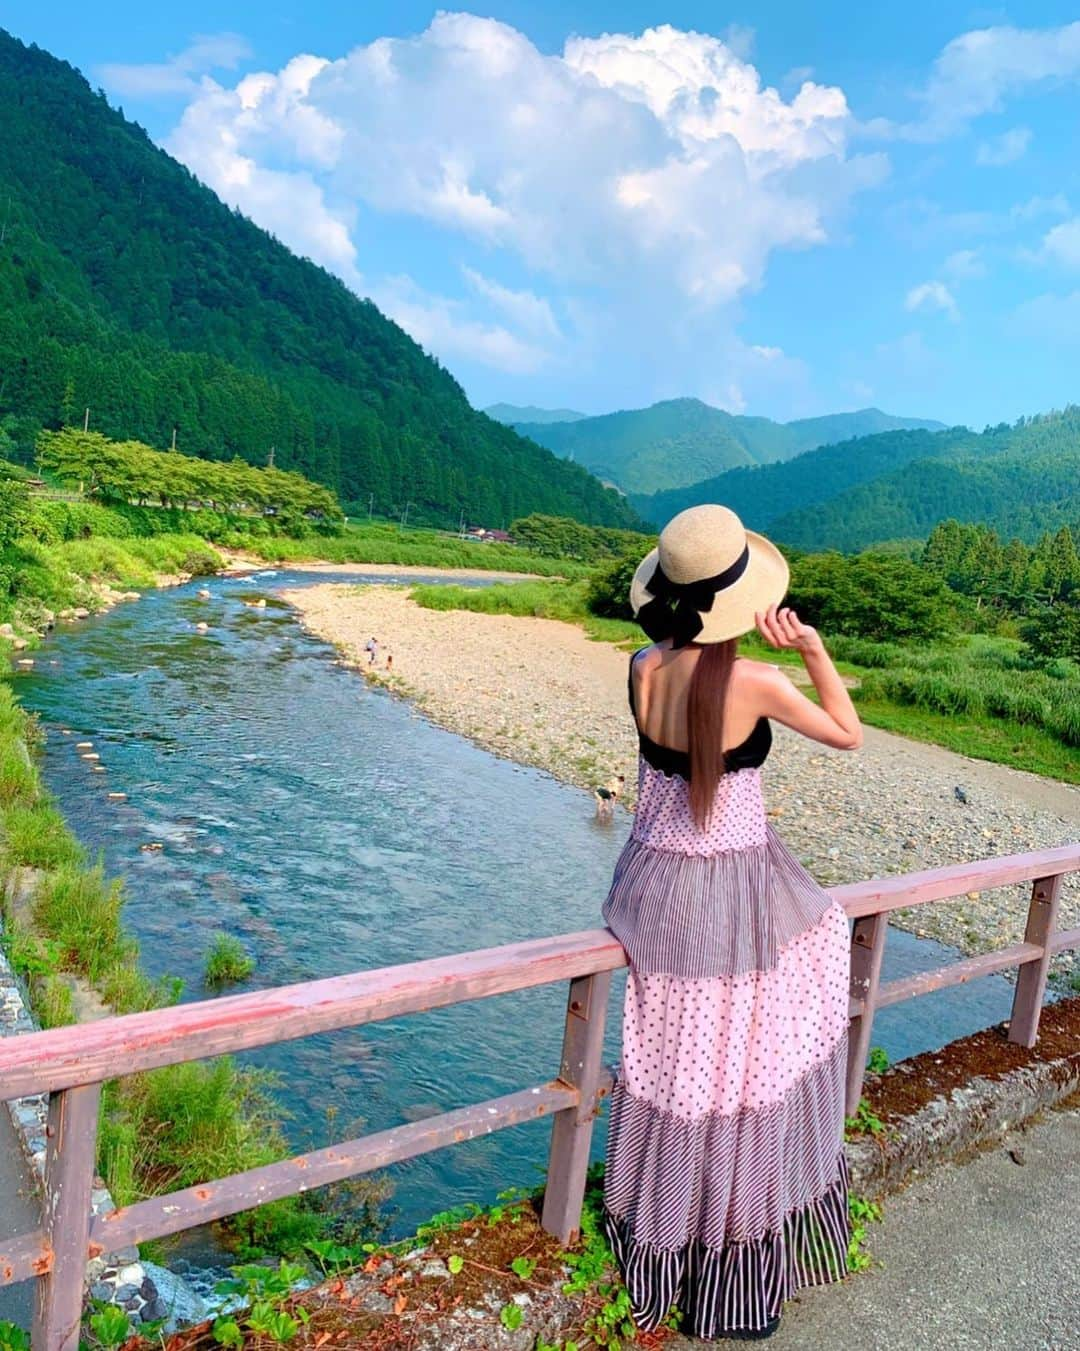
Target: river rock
[(176, 1302), (25, 663), (80, 612), (19, 644), (6, 631)]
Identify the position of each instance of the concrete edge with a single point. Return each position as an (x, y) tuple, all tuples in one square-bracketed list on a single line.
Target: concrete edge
[(958, 1123)]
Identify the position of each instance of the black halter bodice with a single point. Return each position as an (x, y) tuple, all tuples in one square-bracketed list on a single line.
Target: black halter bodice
[(748, 754)]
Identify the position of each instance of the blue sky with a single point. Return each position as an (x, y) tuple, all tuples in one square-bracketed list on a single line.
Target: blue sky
[(780, 208)]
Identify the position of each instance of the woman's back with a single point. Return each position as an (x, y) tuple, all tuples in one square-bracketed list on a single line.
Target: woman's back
[(661, 678)]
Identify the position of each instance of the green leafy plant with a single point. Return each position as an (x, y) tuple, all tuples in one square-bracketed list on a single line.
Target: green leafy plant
[(227, 1332), (864, 1122), (878, 1060), (110, 1325), (523, 1267), (861, 1213), (510, 1316), (455, 1262), (12, 1337), (331, 1256)]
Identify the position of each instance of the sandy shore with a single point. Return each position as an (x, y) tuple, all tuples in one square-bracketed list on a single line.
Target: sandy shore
[(238, 563), (539, 692)]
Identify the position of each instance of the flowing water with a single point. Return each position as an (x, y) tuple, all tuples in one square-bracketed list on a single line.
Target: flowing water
[(331, 828)]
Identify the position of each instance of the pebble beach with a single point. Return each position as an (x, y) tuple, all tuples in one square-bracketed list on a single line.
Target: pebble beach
[(541, 693)]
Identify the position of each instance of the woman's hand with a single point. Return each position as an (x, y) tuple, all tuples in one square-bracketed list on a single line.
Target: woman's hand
[(784, 629)]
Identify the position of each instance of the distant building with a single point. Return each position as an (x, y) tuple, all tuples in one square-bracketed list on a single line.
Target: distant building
[(479, 532)]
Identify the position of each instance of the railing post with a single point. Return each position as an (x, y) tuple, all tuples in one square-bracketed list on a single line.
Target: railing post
[(571, 1130), (1031, 978), (867, 948), (69, 1180)]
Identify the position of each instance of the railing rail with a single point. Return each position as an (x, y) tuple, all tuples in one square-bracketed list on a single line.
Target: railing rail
[(71, 1063)]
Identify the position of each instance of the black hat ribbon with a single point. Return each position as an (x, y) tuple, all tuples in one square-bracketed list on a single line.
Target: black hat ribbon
[(675, 608)]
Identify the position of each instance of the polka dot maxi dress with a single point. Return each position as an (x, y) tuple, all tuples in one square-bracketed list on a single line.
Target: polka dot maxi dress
[(726, 1185)]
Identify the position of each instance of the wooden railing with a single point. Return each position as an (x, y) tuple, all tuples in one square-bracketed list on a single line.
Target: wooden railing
[(71, 1063)]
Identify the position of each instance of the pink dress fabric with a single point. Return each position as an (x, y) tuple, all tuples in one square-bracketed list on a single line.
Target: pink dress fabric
[(726, 1185)]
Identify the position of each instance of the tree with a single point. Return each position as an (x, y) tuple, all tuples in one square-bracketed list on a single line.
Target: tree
[(878, 596)]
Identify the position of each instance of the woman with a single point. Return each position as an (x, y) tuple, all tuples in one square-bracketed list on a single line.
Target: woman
[(726, 1187)]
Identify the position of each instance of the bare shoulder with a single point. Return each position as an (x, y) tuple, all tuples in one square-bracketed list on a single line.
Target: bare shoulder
[(759, 674), (648, 659)]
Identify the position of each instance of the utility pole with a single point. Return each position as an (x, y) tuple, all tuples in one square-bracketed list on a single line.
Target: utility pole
[(405, 516), (270, 459), (86, 421), (174, 438), (371, 506)]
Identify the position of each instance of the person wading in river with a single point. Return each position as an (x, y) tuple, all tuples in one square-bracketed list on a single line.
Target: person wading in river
[(726, 1185)]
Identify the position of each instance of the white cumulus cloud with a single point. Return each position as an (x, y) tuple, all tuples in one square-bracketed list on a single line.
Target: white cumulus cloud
[(639, 174), (1061, 244), (932, 295), (1007, 148), (977, 71), (180, 73), (964, 265)]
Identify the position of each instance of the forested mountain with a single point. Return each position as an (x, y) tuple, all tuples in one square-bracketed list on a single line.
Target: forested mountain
[(1022, 479), (512, 414), (682, 441), (762, 492), (128, 287)]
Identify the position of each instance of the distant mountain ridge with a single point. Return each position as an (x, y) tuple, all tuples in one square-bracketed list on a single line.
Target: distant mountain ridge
[(128, 287), (511, 414), (1021, 479), (679, 442)]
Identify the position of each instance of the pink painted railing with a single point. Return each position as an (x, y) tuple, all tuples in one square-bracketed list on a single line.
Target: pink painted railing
[(71, 1063)]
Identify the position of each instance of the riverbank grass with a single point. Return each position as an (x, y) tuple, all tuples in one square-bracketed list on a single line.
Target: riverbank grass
[(383, 543), (227, 962)]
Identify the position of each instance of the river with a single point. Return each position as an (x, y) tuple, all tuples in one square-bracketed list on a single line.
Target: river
[(331, 828)]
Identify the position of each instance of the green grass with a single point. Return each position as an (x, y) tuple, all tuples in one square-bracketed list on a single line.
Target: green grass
[(563, 600), (1003, 742), (227, 962), (388, 544), (60, 576)]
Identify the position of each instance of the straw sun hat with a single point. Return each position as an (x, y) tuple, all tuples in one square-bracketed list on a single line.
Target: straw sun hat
[(707, 578)]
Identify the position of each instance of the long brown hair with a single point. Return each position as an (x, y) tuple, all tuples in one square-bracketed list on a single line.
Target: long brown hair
[(705, 725)]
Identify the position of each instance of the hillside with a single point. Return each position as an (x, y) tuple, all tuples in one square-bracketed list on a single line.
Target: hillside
[(760, 493), (512, 414), (128, 287), (1022, 479), (683, 441), (1022, 482)]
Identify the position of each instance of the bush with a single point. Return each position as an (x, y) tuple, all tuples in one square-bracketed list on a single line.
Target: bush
[(878, 596), (1054, 631), (608, 592)]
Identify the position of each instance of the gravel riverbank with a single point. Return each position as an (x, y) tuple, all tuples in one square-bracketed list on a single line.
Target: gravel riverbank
[(540, 692)]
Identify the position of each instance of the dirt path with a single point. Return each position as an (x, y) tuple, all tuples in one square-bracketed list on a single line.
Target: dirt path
[(540, 692)]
